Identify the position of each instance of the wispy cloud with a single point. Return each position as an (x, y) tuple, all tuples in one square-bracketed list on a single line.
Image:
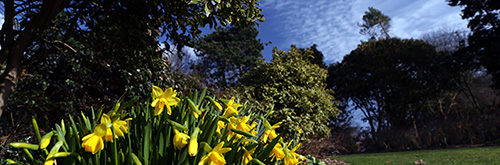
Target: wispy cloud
[(332, 24)]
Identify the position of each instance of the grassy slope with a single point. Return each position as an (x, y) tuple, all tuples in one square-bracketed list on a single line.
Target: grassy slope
[(484, 155)]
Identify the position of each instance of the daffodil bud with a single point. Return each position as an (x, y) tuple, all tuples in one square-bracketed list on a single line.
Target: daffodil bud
[(194, 108), (193, 143), (46, 140), (25, 145), (63, 154), (215, 104), (35, 128), (10, 161)]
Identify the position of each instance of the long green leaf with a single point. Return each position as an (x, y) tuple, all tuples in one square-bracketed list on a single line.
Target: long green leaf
[(135, 159), (29, 156), (61, 135), (202, 96)]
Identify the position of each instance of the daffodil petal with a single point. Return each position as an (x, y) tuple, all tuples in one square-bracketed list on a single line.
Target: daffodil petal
[(157, 92)]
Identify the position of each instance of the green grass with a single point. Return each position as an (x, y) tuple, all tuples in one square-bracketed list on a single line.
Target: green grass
[(483, 155)]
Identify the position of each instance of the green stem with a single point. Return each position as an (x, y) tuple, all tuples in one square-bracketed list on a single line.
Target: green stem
[(114, 150)]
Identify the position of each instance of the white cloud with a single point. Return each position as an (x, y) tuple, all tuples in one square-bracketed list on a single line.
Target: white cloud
[(2, 19), (332, 25)]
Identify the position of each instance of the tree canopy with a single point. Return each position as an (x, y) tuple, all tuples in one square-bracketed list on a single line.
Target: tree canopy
[(484, 23), (375, 24), (36, 32), (389, 80), (227, 54)]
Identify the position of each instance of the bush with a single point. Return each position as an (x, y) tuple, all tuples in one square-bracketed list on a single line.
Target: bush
[(295, 89)]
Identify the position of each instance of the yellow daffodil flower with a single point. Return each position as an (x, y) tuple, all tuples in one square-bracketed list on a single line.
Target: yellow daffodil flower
[(109, 135), (121, 127), (215, 156), (291, 161), (243, 124), (240, 124), (291, 157), (220, 126), (180, 139), (278, 152), (94, 142), (105, 119), (298, 130), (232, 108), (270, 133), (247, 157), (162, 99)]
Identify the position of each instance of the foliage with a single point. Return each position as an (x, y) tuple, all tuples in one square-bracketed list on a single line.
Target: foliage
[(226, 54), (467, 114), (311, 160), (87, 55), (185, 130), (37, 30), (316, 57), (294, 89), (471, 101), (483, 155), (375, 24), (484, 23), (390, 81)]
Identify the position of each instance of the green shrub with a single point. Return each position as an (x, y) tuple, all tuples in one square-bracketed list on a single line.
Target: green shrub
[(295, 89)]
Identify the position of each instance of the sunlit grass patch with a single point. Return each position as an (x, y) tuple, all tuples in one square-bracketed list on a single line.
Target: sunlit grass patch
[(482, 155)]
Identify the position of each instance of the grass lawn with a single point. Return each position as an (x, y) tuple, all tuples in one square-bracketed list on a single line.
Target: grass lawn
[(483, 155)]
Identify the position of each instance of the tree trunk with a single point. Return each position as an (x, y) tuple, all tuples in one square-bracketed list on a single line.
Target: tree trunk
[(14, 47)]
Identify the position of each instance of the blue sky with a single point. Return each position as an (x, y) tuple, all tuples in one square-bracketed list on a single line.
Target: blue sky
[(332, 24)]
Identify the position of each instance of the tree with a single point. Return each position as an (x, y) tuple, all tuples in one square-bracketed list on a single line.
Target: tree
[(484, 22), (470, 101), (389, 81), (447, 40), (375, 24), (227, 54), (294, 89), (33, 30), (316, 57)]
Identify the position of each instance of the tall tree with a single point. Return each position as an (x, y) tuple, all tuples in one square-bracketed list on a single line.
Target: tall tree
[(389, 81), (484, 22), (375, 24), (31, 32), (227, 54)]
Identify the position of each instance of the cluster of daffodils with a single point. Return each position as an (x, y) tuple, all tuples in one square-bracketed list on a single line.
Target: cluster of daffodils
[(194, 129), (95, 141)]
